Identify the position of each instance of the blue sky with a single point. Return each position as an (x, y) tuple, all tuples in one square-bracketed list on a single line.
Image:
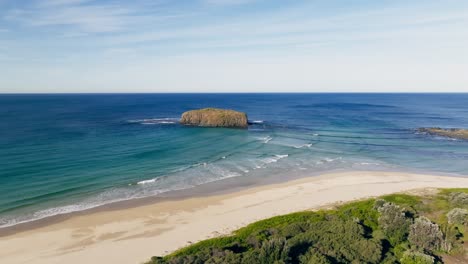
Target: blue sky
[(233, 46)]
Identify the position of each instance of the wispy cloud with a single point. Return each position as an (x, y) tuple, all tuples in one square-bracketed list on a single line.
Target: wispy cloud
[(293, 28), (82, 15), (280, 41), (228, 2), (61, 2)]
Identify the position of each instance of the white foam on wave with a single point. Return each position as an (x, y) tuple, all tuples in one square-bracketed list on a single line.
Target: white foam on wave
[(192, 176), (327, 160), (107, 197), (256, 121), (369, 163), (274, 159), (304, 146), (200, 164), (61, 210), (155, 121), (265, 139), (148, 181), (225, 175)]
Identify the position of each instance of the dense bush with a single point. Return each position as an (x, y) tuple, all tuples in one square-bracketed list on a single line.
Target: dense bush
[(458, 198), (394, 222), (425, 235), (274, 250), (313, 256), (370, 231), (457, 216), (342, 241)]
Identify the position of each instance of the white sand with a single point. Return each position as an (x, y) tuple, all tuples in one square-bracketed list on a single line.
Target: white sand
[(134, 235)]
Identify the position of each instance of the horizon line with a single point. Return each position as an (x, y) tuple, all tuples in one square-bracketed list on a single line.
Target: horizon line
[(104, 93)]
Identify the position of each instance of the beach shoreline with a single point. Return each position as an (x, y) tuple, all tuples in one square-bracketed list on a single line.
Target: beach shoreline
[(133, 232), (219, 187)]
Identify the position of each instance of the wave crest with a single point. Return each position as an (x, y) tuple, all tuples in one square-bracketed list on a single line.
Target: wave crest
[(154, 121)]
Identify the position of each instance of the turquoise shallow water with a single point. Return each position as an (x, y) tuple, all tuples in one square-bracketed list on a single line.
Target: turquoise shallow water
[(66, 153)]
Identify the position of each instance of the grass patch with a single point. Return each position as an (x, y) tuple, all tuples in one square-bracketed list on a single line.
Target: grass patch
[(362, 210), (278, 222), (218, 242), (452, 190), (403, 199)]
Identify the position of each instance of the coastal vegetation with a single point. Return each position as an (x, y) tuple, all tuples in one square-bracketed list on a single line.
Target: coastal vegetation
[(214, 117), (397, 228), (456, 133)]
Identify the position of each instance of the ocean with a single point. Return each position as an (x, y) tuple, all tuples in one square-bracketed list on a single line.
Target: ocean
[(67, 153)]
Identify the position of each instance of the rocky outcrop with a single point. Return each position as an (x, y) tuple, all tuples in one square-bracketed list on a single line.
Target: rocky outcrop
[(214, 117), (451, 132)]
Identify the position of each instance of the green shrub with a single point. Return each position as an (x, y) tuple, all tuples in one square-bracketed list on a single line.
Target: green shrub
[(402, 199), (451, 237), (279, 221), (425, 235), (379, 203), (251, 257), (457, 216), (458, 198), (393, 222), (218, 242), (313, 256), (274, 251), (223, 257), (362, 211), (294, 229), (400, 249), (343, 241), (413, 257)]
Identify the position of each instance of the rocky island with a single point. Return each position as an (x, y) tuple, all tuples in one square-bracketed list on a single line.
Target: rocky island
[(214, 117), (457, 133)]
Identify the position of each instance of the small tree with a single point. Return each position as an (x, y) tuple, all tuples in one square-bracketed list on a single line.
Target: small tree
[(274, 250), (458, 198), (457, 216), (425, 235), (393, 222), (379, 203)]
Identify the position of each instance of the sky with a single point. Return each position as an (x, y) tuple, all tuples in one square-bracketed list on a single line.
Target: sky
[(85, 46)]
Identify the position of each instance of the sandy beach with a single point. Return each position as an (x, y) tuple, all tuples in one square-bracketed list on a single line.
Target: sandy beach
[(133, 235)]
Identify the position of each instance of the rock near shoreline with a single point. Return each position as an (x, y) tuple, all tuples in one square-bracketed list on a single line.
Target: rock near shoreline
[(457, 133), (214, 117)]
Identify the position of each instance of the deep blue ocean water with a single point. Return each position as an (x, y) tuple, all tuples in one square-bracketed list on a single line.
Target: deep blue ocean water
[(65, 153)]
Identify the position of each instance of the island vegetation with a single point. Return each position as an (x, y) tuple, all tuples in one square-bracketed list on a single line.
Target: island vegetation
[(397, 228), (215, 117)]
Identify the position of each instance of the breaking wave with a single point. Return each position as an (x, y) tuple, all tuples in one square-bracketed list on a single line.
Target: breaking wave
[(154, 121)]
